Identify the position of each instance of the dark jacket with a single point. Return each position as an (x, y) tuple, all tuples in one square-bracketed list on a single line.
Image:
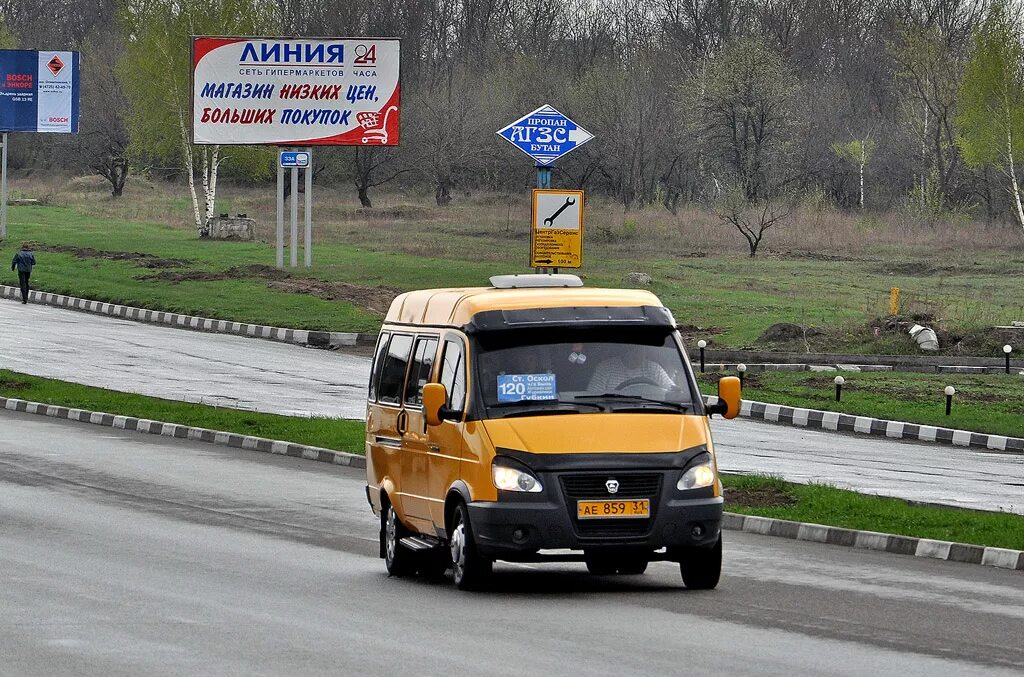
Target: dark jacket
[(23, 261)]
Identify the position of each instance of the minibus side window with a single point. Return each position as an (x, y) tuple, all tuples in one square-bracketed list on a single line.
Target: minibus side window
[(392, 374), (453, 374), (419, 374), (378, 361)]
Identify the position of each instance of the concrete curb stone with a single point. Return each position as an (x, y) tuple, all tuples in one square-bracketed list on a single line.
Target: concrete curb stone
[(899, 430), (178, 431), (871, 540), (320, 339), (802, 531)]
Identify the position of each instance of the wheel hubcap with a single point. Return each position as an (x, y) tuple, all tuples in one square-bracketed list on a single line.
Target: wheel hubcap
[(457, 546), (390, 533)]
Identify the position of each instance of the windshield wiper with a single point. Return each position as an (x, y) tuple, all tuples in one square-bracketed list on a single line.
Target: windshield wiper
[(679, 406), (530, 408)]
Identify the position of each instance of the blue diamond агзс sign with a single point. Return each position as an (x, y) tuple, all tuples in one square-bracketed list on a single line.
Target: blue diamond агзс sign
[(545, 135)]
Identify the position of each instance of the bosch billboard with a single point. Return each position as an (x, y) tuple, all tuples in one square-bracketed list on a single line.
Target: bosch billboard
[(295, 92), (38, 91)]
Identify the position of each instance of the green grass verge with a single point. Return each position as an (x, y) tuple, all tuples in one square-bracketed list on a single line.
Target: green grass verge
[(985, 403), (840, 508), (338, 434)]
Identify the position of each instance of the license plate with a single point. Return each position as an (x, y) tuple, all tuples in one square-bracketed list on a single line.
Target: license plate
[(588, 510)]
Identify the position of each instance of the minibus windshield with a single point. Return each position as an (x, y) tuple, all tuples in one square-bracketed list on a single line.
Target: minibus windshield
[(627, 369)]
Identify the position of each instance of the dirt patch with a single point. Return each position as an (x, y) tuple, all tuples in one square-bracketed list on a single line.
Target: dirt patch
[(692, 330), (763, 497), (14, 385), (815, 256), (787, 331), (233, 273), (930, 269), (376, 299), (140, 259)]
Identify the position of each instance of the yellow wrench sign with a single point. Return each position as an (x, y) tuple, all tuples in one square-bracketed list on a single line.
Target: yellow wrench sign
[(556, 239)]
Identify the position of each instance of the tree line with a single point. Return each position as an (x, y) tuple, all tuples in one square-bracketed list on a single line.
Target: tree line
[(745, 106)]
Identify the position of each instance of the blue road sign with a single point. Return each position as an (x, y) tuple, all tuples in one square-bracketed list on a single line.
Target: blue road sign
[(545, 135), (294, 158)]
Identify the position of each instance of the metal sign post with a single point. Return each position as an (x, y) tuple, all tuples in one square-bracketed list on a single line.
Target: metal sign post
[(280, 216), (307, 240), (295, 217), (3, 193), (295, 160)]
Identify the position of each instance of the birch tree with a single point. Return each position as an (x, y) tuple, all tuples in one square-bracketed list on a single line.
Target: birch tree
[(857, 152), (156, 71), (991, 103)]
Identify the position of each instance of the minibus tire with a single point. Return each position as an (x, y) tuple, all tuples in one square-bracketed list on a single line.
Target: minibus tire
[(470, 570), (397, 558), (702, 567)]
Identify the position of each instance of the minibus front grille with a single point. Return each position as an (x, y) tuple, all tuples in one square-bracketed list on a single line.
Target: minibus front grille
[(595, 485)]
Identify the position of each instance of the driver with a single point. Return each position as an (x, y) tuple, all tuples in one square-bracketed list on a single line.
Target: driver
[(631, 366)]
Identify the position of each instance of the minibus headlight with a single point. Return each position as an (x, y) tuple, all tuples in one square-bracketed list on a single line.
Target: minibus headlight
[(512, 479), (698, 476)]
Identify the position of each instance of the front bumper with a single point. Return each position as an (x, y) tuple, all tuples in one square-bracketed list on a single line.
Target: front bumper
[(517, 528)]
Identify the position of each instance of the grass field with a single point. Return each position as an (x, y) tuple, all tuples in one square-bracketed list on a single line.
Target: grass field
[(986, 403), (827, 271)]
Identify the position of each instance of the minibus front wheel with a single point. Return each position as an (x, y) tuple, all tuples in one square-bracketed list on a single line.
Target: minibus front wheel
[(701, 567), (397, 558), (469, 568)]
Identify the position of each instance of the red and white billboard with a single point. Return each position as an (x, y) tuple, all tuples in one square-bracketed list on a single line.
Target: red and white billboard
[(295, 92)]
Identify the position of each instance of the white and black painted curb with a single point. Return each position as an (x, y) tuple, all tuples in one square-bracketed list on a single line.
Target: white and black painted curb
[(185, 432), (898, 430), (905, 545), (320, 339), (872, 540)]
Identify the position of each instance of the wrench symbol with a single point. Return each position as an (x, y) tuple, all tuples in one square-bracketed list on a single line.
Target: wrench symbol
[(569, 201)]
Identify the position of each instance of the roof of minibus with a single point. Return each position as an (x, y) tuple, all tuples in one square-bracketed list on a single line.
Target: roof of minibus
[(456, 307)]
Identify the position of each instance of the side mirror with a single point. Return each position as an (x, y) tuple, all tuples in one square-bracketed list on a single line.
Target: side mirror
[(728, 404), (434, 397)]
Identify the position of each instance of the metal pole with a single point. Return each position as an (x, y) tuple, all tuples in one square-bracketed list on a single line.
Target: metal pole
[(280, 216), (3, 193), (543, 181), (308, 211), (295, 217)]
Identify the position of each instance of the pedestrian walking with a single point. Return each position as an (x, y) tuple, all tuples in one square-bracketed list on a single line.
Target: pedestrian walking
[(24, 260)]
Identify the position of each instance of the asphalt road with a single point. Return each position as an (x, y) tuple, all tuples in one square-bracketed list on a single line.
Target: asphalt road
[(125, 554), (216, 369), (280, 378)]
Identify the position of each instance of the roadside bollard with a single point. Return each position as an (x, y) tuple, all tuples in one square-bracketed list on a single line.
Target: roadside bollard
[(702, 344), (950, 391), (741, 369), (839, 387), (1007, 349)]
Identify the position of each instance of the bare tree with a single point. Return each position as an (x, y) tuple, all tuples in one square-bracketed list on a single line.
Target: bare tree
[(373, 166), (751, 218)]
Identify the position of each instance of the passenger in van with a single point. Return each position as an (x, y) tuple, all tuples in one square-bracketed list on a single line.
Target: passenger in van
[(630, 366)]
